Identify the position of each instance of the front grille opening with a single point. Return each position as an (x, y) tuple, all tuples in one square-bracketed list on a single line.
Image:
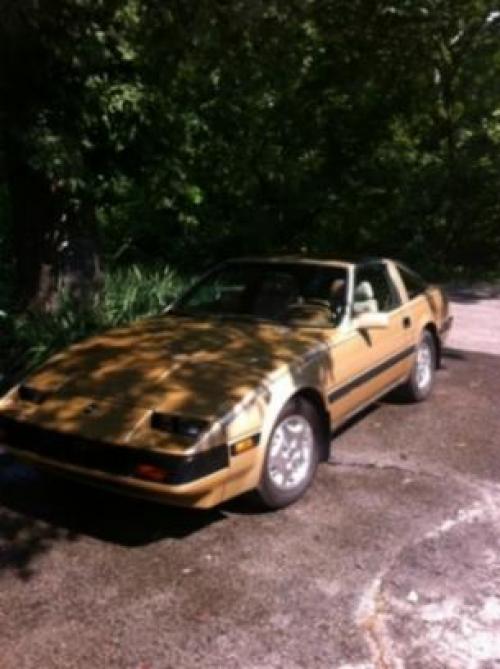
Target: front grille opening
[(109, 458)]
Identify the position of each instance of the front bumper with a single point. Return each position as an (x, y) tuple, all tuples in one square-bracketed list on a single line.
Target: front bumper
[(190, 480)]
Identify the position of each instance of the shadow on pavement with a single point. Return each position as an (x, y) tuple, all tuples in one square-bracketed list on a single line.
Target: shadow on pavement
[(38, 510), (357, 418), (454, 354)]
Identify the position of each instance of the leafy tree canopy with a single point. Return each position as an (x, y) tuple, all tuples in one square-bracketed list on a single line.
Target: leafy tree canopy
[(184, 132)]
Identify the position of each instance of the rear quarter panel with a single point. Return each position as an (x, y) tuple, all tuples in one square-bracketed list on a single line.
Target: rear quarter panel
[(429, 307)]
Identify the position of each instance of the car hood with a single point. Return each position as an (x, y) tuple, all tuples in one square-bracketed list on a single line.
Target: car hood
[(175, 364)]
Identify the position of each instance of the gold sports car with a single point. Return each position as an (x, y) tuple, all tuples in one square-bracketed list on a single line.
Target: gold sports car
[(237, 386)]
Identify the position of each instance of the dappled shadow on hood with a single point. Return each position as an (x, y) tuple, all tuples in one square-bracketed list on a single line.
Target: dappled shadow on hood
[(169, 364)]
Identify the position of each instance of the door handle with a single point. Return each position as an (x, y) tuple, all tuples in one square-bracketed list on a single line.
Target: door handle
[(406, 322)]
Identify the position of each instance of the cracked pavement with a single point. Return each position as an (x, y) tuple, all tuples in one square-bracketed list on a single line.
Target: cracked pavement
[(390, 561)]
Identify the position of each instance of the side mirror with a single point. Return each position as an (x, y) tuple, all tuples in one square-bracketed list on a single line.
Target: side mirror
[(371, 320)]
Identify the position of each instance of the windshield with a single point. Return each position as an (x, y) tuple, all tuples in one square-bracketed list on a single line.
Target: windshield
[(305, 294)]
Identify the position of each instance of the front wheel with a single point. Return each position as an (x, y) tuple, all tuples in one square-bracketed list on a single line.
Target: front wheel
[(421, 380), (292, 455)]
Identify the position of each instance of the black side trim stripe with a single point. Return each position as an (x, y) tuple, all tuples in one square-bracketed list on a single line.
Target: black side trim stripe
[(336, 394)]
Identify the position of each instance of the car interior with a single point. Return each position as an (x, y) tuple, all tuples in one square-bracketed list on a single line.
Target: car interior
[(308, 294)]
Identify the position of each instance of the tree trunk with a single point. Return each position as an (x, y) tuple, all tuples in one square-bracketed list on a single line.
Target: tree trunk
[(33, 214), (53, 247)]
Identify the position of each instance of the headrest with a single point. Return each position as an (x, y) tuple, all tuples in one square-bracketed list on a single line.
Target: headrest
[(337, 289), (363, 292)]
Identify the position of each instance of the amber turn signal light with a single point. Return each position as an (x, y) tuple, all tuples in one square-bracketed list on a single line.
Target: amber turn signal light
[(244, 445)]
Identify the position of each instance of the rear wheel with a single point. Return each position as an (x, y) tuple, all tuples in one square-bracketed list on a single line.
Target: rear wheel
[(292, 455), (419, 385)]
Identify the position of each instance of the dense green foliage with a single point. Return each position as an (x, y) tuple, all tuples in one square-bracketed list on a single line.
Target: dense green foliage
[(28, 338), (177, 133)]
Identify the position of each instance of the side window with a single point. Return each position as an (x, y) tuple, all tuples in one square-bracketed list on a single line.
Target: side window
[(374, 290), (414, 284)]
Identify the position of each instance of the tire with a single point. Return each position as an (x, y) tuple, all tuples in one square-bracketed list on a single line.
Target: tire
[(421, 381), (292, 455)]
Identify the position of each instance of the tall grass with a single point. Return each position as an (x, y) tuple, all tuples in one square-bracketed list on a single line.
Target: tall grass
[(134, 291), (27, 339)]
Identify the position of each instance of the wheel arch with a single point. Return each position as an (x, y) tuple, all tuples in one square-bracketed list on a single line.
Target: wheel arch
[(431, 327), (314, 397)]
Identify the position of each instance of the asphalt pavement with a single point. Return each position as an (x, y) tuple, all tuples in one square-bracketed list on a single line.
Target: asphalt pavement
[(390, 561), (477, 318)]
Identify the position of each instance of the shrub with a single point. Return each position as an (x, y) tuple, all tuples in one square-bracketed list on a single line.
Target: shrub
[(27, 339)]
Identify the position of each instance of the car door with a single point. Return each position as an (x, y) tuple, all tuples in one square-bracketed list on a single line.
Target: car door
[(426, 304), (367, 362)]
